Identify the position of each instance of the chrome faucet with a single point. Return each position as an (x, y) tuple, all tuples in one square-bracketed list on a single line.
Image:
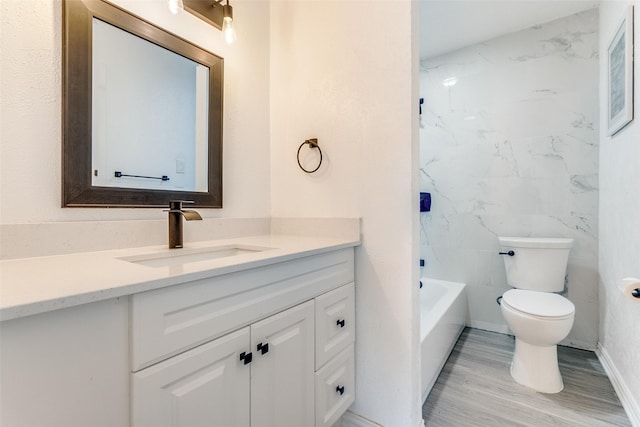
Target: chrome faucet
[(175, 221)]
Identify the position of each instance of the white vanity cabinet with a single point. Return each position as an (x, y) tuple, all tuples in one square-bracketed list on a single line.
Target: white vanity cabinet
[(270, 346), (262, 373), (96, 339)]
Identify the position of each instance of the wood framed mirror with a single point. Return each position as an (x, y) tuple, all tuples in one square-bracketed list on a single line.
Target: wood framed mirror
[(142, 112)]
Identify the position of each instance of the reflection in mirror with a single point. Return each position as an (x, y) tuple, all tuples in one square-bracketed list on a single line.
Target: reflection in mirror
[(139, 139), (142, 112)]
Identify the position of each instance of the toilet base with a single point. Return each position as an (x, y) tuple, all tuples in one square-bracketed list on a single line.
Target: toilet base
[(536, 367)]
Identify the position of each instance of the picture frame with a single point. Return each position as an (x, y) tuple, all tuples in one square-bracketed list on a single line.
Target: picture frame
[(620, 73)]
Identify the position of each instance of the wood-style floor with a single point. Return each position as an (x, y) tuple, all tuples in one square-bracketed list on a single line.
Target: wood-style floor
[(475, 388)]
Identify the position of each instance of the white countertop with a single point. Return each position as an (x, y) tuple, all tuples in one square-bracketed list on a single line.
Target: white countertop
[(36, 285)]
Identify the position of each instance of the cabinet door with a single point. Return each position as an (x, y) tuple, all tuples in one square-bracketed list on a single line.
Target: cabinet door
[(282, 379), (206, 386)]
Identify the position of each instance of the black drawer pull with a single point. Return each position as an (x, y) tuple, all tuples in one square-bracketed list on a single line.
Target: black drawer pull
[(264, 348), (340, 323), (340, 390), (246, 357)]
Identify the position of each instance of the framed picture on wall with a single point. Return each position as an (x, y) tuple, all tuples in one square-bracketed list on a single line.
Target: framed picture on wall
[(620, 64)]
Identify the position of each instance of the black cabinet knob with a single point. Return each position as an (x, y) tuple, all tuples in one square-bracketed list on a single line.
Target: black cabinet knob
[(246, 357), (263, 348), (340, 390), (340, 323)]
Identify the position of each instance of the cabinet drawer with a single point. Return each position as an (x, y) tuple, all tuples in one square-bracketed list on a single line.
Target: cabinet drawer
[(168, 321), (335, 388), (335, 323)]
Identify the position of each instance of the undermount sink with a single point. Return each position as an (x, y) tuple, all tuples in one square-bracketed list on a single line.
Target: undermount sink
[(171, 257)]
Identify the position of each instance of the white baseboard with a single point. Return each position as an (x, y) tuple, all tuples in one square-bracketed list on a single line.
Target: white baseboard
[(629, 403), (582, 345), (491, 327), (349, 419), (503, 329)]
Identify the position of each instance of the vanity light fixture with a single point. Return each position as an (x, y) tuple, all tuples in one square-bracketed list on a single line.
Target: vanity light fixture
[(228, 30), (212, 11)]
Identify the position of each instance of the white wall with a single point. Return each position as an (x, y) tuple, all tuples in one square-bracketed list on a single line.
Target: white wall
[(512, 149), (620, 221), (30, 168), (340, 74)]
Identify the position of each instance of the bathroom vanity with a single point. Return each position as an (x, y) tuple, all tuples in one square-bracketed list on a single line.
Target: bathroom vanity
[(256, 331)]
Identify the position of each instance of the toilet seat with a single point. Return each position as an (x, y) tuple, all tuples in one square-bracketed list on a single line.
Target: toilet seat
[(538, 304)]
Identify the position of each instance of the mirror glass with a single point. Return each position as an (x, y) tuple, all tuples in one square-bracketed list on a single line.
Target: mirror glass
[(149, 114), (142, 112)]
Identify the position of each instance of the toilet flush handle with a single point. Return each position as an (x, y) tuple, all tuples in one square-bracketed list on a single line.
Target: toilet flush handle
[(510, 253)]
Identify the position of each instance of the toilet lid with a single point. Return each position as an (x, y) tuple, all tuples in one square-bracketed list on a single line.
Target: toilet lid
[(541, 304)]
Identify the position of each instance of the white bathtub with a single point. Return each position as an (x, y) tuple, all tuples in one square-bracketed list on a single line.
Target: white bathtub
[(443, 313)]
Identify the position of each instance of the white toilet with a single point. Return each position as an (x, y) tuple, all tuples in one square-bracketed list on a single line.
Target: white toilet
[(538, 317)]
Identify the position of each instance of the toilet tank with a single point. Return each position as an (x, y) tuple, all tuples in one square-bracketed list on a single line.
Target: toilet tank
[(538, 263)]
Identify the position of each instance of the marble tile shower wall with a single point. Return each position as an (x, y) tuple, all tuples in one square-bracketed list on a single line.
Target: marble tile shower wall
[(512, 149)]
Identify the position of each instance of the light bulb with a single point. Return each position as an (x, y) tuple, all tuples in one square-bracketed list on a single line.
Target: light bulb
[(228, 31), (175, 6)]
